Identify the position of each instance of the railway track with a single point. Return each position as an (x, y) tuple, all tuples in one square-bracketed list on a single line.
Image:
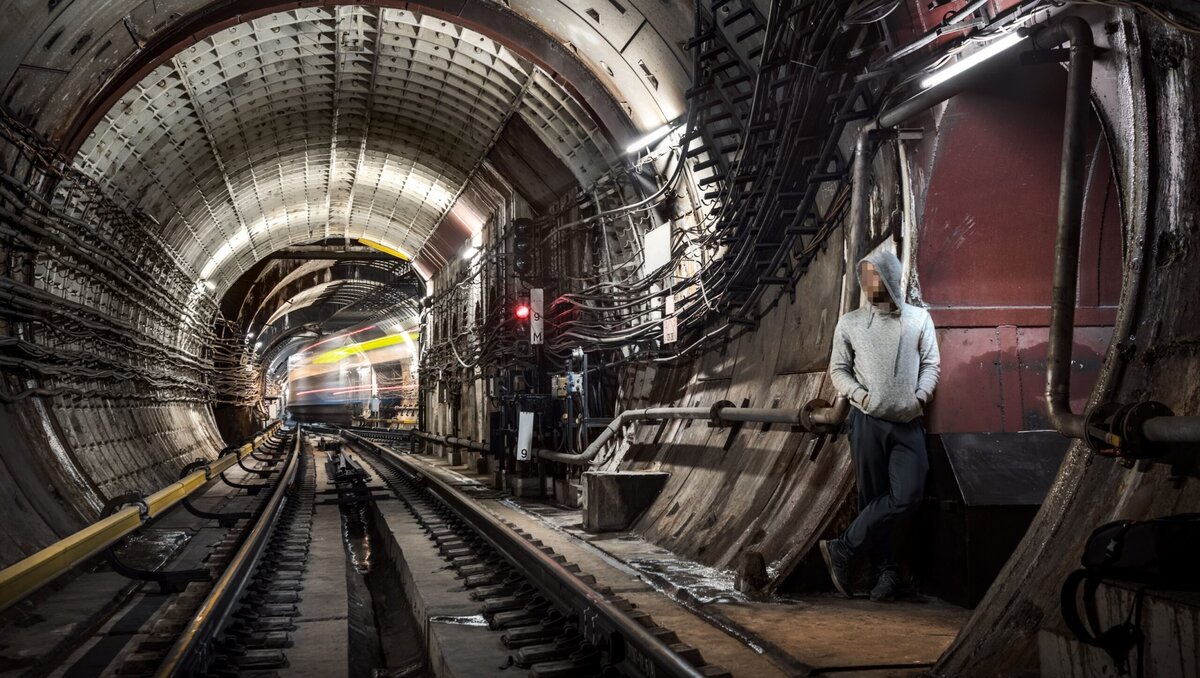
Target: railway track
[(209, 626), (553, 618)]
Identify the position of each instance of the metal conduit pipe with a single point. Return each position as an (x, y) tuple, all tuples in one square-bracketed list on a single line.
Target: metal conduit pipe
[(1172, 429), (452, 441), (1070, 221), (817, 416)]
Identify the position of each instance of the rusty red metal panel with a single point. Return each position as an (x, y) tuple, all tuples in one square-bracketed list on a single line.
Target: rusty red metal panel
[(1087, 356), (1020, 316), (988, 233), (968, 394), (1009, 372), (994, 378)]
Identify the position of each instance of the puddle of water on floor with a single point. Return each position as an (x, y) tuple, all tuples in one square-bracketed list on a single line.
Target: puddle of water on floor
[(357, 536), (702, 583), (473, 620), (151, 547)]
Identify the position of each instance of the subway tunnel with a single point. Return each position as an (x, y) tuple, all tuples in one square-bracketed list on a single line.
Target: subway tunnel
[(473, 337)]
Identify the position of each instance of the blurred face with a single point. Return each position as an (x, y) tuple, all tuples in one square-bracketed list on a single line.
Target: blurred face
[(873, 284)]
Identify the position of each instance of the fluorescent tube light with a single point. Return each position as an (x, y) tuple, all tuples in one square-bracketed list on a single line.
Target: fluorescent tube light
[(649, 139), (971, 60)]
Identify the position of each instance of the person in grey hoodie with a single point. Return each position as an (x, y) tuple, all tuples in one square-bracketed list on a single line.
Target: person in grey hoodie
[(885, 360)]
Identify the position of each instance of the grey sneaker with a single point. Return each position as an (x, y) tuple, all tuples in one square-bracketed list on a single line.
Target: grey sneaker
[(838, 565), (885, 588)]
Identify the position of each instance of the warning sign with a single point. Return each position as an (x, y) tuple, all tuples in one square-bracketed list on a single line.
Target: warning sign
[(536, 302), (524, 435), (670, 322)]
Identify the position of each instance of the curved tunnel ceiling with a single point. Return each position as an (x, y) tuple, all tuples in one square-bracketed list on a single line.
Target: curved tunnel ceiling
[(307, 124)]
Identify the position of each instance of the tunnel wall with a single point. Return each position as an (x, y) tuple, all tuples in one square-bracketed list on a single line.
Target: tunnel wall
[(104, 349)]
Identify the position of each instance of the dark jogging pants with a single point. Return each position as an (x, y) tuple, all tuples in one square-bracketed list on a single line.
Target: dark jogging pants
[(890, 465)]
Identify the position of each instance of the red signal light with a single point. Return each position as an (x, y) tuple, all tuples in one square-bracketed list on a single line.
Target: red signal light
[(522, 312)]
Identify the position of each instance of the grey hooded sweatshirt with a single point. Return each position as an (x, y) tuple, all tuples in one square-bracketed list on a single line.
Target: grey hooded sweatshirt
[(889, 360)]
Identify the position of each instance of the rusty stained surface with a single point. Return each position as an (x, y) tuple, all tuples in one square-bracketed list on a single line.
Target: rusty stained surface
[(994, 379), (988, 231)]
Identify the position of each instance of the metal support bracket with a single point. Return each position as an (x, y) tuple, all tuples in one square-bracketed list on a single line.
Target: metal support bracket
[(261, 473), (251, 489), (223, 519), (714, 413), (273, 456), (169, 581)]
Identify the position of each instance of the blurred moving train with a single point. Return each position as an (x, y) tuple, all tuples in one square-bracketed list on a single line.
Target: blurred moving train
[(349, 380)]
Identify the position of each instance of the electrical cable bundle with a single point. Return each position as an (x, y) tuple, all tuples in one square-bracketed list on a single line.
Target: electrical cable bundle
[(93, 301)]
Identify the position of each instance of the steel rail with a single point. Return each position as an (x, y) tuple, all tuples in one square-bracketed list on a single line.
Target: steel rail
[(190, 653), (25, 577), (644, 652)]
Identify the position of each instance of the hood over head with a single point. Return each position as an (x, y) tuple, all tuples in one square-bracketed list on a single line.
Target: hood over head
[(888, 267)]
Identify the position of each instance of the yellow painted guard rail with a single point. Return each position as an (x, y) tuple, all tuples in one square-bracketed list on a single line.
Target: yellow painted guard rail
[(24, 577)]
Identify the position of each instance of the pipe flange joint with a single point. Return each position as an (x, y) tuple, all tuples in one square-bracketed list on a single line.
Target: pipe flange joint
[(1099, 432), (1131, 423), (714, 412), (806, 414)]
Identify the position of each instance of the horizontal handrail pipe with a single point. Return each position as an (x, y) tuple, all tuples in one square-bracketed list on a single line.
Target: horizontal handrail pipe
[(25, 577), (817, 416), (452, 441)]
